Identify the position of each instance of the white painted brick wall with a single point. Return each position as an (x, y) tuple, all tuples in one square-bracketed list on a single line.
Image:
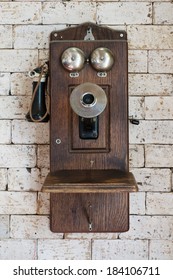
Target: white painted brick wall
[(6, 36), (43, 203), (33, 37), (4, 228), (152, 132), (136, 156), (160, 61), (161, 250), (26, 13), (124, 13), (138, 61), (15, 249), (23, 60), (69, 12), (137, 40), (25, 26), (153, 179), (64, 249), (136, 104), (31, 227), (21, 84), (149, 227), (18, 203), (137, 203), (24, 179), (163, 13), (3, 179), (43, 156), (155, 203), (5, 131), (4, 83), (17, 156), (142, 84), (91, 236), (38, 132), (14, 107), (159, 156), (159, 107), (120, 250)]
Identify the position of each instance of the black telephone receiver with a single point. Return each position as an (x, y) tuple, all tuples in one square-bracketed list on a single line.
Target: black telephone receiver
[(38, 111)]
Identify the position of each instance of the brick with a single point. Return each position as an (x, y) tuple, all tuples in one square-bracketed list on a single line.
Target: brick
[(16, 249), (31, 227), (14, 107), (6, 36), (120, 250), (43, 203), (161, 250), (24, 179), (34, 36), (17, 156), (5, 132), (137, 61), (4, 226), (44, 172), (159, 156), (43, 160), (64, 249), (18, 60), (151, 132), (137, 203), (18, 203), (91, 236), (136, 107), (141, 37), (21, 84), (153, 179), (43, 56), (149, 227), (20, 13), (4, 83), (136, 156), (163, 13), (160, 107), (159, 203), (142, 84), (124, 13), (3, 179), (160, 61), (29, 132), (69, 12)]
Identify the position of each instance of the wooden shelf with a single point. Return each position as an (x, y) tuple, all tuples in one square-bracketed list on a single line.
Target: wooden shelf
[(89, 181)]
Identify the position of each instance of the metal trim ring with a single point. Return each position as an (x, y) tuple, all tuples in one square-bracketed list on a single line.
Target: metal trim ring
[(88, 110)]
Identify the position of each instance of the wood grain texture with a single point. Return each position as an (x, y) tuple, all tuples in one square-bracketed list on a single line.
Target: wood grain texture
[(79, 32), (62, 156), (107, 212), (89, 180), (92, 181)]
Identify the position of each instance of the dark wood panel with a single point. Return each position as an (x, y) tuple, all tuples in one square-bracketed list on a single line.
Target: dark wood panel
[(82, 181), (118, 110), (79, 32), (74, 212), (89, 180)]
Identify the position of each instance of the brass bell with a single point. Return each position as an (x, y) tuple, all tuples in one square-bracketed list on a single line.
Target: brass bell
[(73, 59), (102, 59)]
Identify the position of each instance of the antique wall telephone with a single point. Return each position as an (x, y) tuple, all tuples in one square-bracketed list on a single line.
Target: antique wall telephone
[(89, 180)]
